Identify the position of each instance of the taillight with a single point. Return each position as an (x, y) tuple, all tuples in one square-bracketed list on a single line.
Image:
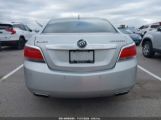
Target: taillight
[(128, 52), (11, 30), (33, 53)]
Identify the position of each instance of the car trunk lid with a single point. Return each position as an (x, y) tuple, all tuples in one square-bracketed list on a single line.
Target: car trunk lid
[(62, 53)]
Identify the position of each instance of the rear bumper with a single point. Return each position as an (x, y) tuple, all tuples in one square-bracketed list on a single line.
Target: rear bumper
[(40, 79), (9, 43)]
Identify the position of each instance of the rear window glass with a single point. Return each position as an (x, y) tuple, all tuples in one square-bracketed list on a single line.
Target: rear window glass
[(5, 26), (146, 26), (79, 26), (155, 26), (20, 26)]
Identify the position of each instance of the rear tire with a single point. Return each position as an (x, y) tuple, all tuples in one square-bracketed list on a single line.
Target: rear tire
[(147, 49), (21, 43)]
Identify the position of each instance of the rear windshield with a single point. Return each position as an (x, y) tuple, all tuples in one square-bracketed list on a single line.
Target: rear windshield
[(5, 26), (155, 26), (20, 26), (79, 26)]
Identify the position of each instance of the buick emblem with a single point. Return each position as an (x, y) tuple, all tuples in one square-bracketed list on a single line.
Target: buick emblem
[(82, 43)]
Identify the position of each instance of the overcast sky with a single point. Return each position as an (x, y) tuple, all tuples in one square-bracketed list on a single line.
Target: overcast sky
[(129, 12)]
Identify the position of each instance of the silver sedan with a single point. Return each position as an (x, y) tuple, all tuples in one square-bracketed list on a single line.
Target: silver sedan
[(84, 57)]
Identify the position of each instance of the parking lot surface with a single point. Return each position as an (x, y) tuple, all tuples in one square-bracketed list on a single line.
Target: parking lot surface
[(16, 101)]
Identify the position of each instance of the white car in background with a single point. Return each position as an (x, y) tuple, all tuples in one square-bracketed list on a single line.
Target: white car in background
[(145, 28), (151, 43), (14, 34)]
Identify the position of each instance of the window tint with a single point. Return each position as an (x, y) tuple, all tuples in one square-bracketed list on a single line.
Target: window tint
[(141, 27), (27, 28), (155, 26), (20, 26), (146, 26), (79, 26), (5, 26)]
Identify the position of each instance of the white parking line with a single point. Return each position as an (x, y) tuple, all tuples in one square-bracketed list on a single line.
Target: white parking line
[(150, 73), (11, 73)]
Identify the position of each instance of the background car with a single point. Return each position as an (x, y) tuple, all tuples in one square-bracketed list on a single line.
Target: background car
[(135, 37), (134, 30), (85, 57), (145, 28), (151, 43), (14, 34)]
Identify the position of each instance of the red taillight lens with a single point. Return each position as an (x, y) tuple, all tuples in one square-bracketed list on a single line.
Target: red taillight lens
[(11, 30), (33, 54), (128, 52)]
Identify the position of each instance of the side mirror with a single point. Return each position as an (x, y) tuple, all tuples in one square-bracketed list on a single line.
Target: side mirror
[(159, 29)]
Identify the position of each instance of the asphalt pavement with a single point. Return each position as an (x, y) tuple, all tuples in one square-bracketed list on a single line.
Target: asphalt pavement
[(16, 101)]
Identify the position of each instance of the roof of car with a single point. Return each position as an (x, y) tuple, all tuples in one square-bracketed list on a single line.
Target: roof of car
[(77, 18), (10, 23)]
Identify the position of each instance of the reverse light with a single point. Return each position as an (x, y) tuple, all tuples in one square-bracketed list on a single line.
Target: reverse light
[(11, 30), (128, 52), (33, 54)]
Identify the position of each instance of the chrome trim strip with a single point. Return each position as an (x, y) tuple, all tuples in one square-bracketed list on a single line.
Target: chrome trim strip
[(74, 46)]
